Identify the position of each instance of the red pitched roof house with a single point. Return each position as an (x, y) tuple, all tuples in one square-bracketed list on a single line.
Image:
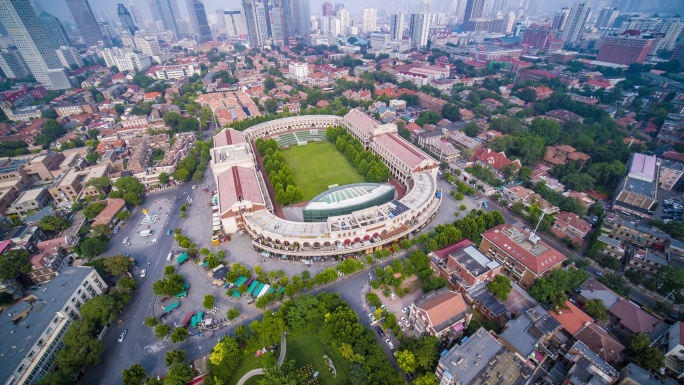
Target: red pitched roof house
[(571, 317), (493, 159), (572, 226), (442, 313)]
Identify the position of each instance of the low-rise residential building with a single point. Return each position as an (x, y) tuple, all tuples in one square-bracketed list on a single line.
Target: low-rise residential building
[(464, 141), (442, 313), (29, 201), (570, 225), (35, 326), (585, 199), (629, 319), (71, 184), (633, 374), (562, 154), (571, 318), (528, 198), (638, 234), (523, 256), (430, 102), (601, 343), (647, 263), (358, 96), (676, 253), (587, 367), (527, 334), (563, 116), (612, 247), (481, 360), (445, 151), (174, 71), (672, 345), (494, 160), (418, 79)]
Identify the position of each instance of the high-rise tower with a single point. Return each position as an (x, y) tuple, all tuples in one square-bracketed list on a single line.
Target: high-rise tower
[(257, 24), (473, 10), (167, 15), (369, 19), (28, 35), (54, 30), (126, 19), (85, 21), (560, 19), (576, 22), (198, 17), (397, 26), (607, 17), (419, 29)]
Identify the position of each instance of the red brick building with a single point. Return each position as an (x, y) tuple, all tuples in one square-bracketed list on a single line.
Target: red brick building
[(626, 49)]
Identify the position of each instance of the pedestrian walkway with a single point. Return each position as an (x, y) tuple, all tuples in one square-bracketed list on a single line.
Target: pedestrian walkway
[(260, 371)]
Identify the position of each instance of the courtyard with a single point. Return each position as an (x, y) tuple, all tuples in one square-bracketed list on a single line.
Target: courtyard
[(316, 166)]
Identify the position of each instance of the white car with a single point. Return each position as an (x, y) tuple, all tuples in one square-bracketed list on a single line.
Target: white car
[(389, 343), (401, 326), (194, 186), (123, 335), (142, 273), (405, 309), (383, 307), (372, 317), (125, 240), (392, 296), (405, 321)]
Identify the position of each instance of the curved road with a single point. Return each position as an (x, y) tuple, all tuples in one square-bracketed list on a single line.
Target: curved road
[(260, 371)]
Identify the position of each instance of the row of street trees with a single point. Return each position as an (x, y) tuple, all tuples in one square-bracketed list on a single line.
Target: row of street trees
[(279, 175), (368, 164)]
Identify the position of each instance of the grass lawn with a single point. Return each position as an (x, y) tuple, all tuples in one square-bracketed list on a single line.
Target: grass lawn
[(307, 349), (248, 363), (316, 166)]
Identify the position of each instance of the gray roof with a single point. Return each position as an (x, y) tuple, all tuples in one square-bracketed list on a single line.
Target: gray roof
[(639, 375), (482, 345), (592, 289), (524, 332), (610, 241), (49, 299), (474, 261), (594, 359), (491, 303)]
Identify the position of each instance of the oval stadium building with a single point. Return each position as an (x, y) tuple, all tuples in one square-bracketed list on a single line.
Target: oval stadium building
[(343, 221)]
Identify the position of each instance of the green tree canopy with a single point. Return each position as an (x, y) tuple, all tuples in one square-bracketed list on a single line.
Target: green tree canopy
[(134, 375), (118, 264), (596, 309), (93, 209), (53, 224), (500, 287), (13, 263)]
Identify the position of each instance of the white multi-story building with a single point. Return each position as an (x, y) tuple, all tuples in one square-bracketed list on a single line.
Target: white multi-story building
[(148, 45), (69, 57), (299, 71), (125, 59), (343, 15), (176, 71), (574, 27), (397, 26), (21, 22), (235, 23), (369, 18), (34, 327)]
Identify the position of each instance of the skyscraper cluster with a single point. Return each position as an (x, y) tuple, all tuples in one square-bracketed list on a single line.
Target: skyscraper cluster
[(277, 21)]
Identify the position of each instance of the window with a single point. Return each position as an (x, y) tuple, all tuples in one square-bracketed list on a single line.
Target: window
[(40, 342), (21, 368), (31, 354), (48, 331)]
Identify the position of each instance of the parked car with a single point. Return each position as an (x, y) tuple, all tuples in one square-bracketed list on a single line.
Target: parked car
[(389, 343), (125, 240), (383, 307), (405, 309), (484, 204), (143, 273), (594, 218), (599, 274), (169, 232), (372, 318), (401, 326), (392, 296), (405, 321), (380, 331), (122, 335)]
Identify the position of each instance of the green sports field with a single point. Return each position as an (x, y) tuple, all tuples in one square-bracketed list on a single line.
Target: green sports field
[(317, 166)]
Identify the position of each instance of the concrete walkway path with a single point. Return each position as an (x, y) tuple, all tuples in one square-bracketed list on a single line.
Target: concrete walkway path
[(260, 371)]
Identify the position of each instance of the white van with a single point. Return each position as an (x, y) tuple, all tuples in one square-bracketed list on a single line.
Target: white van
[(146, 233), (168, 258)]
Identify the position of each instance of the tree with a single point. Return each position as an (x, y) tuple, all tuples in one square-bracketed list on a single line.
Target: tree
[(527, 95), (471, 130), (596, 309), (208, 302), (99, 310), (117, 264), (53, 224), (102, 184), (500, 287), (672, 278), (407, 361), (426, 379), (182, 175), (286, 374), (127, 284), (224, 358), (164, 178), (92, 157), (179, 373), (93, 209), (175, 356), (93, 246), (643, 354), (101, 230), (451, 111), (232, 314), (179, 334), (428, 117), (161, 331), (127, 187), (13, 263), (81, 347), (269, 83), (579, 181), (151, 322), (134, 375)]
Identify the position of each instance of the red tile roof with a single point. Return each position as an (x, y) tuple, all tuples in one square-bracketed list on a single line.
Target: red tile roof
[(572, 318), (495, 159), (228, 137)]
